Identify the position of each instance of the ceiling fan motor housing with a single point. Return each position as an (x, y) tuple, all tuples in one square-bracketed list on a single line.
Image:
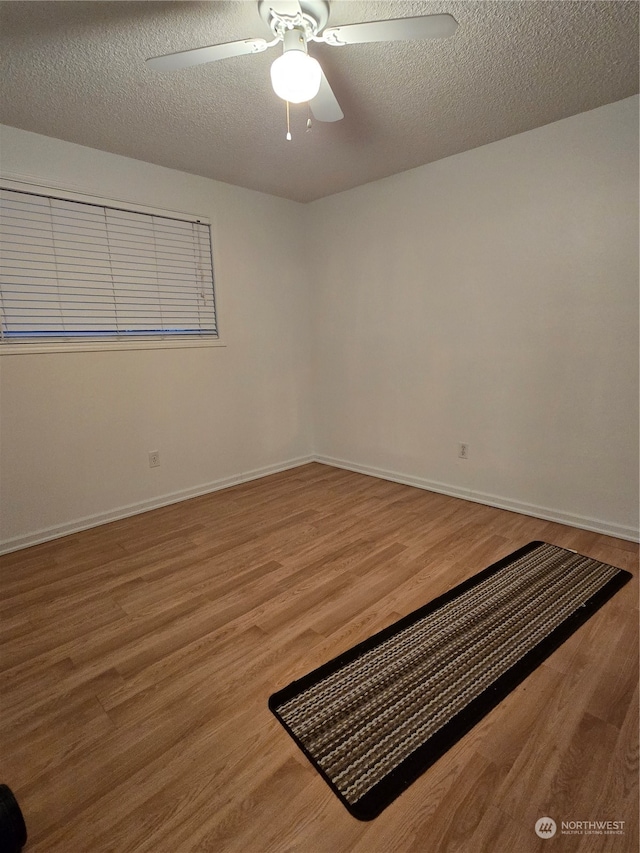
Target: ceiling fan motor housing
[(311, 15)]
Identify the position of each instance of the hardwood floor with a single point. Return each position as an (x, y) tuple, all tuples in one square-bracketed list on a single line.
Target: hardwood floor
[(137, 659)]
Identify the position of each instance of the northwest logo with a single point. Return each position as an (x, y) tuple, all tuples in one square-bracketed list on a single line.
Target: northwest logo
[(546, 827)]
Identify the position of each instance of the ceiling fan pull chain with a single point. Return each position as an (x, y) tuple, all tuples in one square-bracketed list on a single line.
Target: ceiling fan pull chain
[(288, 128), (308, 117)]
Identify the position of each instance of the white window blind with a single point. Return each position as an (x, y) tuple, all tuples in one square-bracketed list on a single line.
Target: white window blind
[(73, 269)]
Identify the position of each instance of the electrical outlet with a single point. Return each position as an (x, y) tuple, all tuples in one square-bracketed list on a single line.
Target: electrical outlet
[(154, 459), (463, 451)]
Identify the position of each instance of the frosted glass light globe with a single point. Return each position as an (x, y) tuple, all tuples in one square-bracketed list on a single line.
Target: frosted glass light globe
[(296, 76)]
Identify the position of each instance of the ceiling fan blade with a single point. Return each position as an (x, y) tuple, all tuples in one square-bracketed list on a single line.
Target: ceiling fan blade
[(325, 106), (200, 55), (397, 29)]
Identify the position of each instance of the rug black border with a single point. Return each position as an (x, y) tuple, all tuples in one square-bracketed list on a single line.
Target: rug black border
[(401, 777)]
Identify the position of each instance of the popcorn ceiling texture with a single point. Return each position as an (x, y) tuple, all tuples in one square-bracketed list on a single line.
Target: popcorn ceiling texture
[(76, 71)]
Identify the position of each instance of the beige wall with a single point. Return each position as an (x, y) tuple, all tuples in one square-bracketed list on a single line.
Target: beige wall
[(490, 298), (76, 428)]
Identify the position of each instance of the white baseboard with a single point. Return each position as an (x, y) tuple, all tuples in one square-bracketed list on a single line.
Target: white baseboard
[(56, 532), (47, 534), (594, 524)]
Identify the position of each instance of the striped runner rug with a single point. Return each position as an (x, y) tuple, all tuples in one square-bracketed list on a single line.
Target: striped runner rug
[(375, 718)]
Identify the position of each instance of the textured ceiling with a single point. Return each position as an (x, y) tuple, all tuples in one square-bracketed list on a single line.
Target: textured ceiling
[(76, 71)]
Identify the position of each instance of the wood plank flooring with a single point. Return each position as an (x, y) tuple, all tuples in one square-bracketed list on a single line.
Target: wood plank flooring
[(137, 659)]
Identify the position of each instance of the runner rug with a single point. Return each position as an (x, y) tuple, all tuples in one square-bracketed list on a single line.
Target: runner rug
[(375, 718)]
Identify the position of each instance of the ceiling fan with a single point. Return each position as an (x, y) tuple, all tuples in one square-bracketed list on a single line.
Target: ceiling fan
[(297, 77)]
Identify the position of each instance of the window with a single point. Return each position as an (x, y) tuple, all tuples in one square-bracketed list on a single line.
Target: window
[(74, 270)]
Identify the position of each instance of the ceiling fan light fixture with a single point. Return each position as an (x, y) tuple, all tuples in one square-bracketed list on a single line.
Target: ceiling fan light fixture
[(296, 76)]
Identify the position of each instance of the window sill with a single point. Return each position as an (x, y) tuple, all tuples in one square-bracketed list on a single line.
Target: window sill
[(107, 346)]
